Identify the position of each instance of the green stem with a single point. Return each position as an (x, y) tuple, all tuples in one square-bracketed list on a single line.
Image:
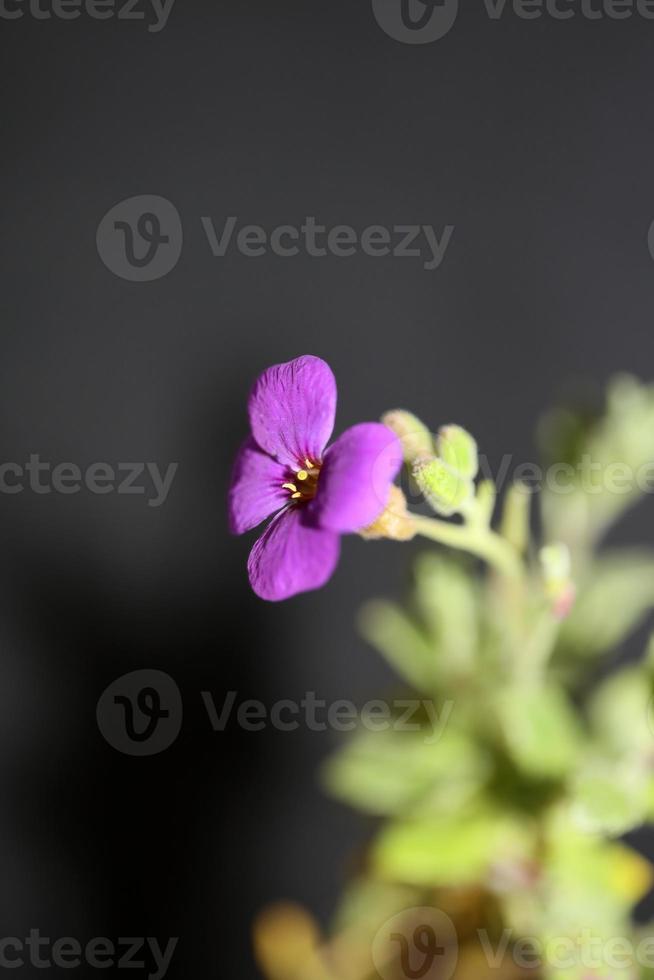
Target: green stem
[(539, 647), (479, 541)]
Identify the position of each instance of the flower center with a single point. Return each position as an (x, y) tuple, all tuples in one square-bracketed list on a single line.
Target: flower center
[(305, 482)]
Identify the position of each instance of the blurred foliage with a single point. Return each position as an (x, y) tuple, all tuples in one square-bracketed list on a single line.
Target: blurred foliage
[(503, 805)]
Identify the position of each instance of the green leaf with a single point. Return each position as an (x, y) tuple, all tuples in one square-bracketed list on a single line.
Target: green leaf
[(390, 772), (454, 851), (609, 463), (609, 798), (407, 649), (612, 602), (540, 730), (620, 712), (590, 882), (447, 602)]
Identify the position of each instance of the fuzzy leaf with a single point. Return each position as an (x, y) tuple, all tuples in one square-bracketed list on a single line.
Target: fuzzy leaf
[(391, 772), (590, 882), (620, 712), (540, 730), (609, 459), (408, 650), (611, 603), (451, 851), (447, 602), (609, 798)]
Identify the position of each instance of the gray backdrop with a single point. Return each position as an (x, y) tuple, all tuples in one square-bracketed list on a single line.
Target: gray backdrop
[(532, 137)]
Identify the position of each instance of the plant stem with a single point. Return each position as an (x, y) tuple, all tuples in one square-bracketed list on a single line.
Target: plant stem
[(479, 541), (539, 647)]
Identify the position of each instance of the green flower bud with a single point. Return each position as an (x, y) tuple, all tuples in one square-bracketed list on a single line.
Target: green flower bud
[(442, 487), (415, 437), (458, 449)]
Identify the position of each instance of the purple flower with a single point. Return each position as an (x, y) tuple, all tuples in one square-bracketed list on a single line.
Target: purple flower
[(316, 494)]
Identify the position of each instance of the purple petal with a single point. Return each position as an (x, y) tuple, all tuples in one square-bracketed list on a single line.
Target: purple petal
[(256, 488), (291, 557), (292, 408), (355, 480)]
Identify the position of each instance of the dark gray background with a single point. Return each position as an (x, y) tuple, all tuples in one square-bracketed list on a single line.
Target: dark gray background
[(534, 138)]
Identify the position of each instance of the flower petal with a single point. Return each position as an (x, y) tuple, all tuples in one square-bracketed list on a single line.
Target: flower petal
[(291, 557), (355, 480), (256, 488), (292, 408)]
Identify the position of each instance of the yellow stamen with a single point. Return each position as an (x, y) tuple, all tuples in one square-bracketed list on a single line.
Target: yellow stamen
[(309, 464), (296, 495), (302, 475), (289, 486)]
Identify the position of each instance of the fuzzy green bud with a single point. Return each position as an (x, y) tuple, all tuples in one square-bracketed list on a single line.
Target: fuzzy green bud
[(416, 439), (458, 449), (443, 488)]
